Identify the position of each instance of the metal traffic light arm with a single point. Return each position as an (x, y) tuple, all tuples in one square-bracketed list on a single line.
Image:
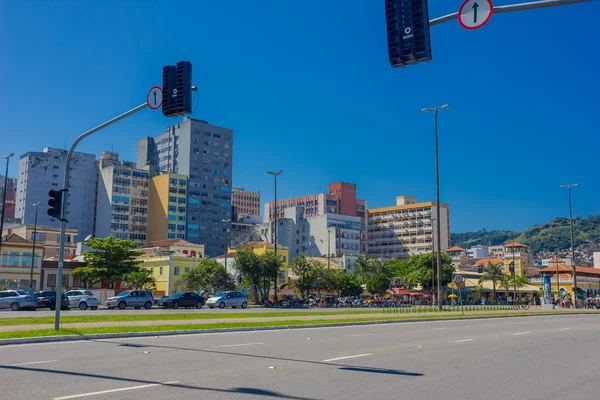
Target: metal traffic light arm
[(511, 8), (63, 224)]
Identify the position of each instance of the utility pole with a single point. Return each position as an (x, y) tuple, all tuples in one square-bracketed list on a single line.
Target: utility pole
[(569, 187), (435, 111), (275, 174)]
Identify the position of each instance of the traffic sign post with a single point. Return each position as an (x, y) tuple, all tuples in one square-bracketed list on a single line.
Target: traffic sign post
[(154, 98), (473, 14), (457, 279)]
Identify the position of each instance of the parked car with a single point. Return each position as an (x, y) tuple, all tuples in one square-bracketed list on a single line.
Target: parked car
[(228, 299), (131, 298), (83, 299), (187, 299), (47, 298), (17, 300), (158, 299)]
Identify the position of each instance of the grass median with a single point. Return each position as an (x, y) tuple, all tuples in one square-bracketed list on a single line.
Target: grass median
[(257, 324)]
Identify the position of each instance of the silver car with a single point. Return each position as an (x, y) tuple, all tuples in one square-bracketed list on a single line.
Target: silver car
[(131, 298), (228, 299), (83, 299), (17, 300)]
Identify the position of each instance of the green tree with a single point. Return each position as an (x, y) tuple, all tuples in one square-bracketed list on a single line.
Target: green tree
[(270, 264), (521, 281), (378, 284), (494, 273), (142, 279), (110, 260), (208, 273), (348, 284), (417, 270), (364, 267), (247, 264), (305, 272)]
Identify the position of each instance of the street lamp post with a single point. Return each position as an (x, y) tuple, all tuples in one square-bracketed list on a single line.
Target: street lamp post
[(4, 198), (226, 222), (568, 187), (432, 260), (328, 248), (31, 289), (435, 111), (275, 174)]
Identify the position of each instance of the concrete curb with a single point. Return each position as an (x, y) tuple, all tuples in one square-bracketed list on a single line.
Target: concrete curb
[(73, 338)]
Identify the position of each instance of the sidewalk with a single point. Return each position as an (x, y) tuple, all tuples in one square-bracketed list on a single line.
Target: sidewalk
[(375, 316)]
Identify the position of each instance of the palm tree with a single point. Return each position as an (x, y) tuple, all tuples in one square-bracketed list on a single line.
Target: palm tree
[(364, 267), (521, 281), (494, 273)]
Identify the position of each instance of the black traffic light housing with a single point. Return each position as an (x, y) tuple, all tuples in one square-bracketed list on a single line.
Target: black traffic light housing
[(55, 203), (177, 89), (407, 32)]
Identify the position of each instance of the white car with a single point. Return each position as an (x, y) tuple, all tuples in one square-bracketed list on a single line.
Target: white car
[(83, 299)]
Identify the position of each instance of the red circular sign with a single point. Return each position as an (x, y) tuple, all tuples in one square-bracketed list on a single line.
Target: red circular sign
[(154, 98), (473, 14)]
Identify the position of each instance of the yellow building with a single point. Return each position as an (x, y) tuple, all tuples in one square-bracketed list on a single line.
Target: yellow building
[(260, 248), (167, 203), (169, 260), (518, 254), (15, 264)]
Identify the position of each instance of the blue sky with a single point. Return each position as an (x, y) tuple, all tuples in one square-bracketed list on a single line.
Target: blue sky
[(307, 88)]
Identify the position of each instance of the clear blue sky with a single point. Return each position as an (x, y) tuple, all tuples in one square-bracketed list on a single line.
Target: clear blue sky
[(307, 88)]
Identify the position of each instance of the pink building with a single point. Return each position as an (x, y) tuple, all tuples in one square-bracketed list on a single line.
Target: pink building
[(341, 199)]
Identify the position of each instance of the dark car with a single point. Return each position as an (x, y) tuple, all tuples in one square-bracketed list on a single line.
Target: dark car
[(187, 299), (48, 299)]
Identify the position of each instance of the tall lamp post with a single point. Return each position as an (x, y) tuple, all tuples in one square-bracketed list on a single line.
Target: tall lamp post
[(4, 198), (226, 222), (31, 288), (435, 111), (275, 175), (568, 187)]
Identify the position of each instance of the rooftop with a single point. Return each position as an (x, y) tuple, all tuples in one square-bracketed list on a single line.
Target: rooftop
[(164, 243), (486, 261), (514, 244), (456, 249)]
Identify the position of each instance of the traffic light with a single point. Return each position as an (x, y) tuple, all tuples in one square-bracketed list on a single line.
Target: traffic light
[(177, 89), (407, 32), (55, 204)]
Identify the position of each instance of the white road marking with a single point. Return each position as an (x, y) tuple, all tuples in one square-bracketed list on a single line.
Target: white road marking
[(435, 329), (346, 357), (363, 334), (463, 340), (238, 345), (75, 396), (32, 363), (486, 325), (521, 333), (564, 329)]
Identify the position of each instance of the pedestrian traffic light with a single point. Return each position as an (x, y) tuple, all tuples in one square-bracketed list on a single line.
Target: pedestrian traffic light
[(55, 204), (407, 32), (177, 89)]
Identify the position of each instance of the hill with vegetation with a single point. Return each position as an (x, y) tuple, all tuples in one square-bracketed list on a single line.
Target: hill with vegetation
[(551, 236)]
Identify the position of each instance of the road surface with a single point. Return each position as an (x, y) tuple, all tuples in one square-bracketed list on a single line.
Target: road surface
[(511, 358)]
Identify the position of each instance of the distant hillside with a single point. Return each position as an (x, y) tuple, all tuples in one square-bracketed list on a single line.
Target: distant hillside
[(551, 236)]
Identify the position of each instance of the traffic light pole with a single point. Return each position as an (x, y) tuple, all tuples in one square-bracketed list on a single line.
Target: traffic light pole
[(63, 224), (512, 8)]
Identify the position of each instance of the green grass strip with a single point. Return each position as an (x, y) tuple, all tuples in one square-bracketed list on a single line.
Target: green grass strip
[(224, 325)]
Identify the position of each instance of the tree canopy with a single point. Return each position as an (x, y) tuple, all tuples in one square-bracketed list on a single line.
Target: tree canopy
[(417, 270), (110, 260), (257, 271), (142, 279), (208, 273)]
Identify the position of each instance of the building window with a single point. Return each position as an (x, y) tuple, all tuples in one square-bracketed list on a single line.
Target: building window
[(186, 269), (77, 281), (65, 281), (176, 271), (160, 271), (51, 280), (26, 259), (13, 260)]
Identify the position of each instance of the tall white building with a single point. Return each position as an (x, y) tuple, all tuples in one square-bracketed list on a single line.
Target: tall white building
[(121, 199), (407, 228), (39, 172)]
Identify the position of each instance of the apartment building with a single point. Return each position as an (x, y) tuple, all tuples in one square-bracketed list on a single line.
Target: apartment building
[(245, 203), (407, 228), (121, 199), (204, 154), (9, 197), (167, 210), (46, 236), (39, 172)]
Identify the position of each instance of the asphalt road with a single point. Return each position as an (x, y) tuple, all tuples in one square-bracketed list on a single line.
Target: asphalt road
[(511, 358)]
